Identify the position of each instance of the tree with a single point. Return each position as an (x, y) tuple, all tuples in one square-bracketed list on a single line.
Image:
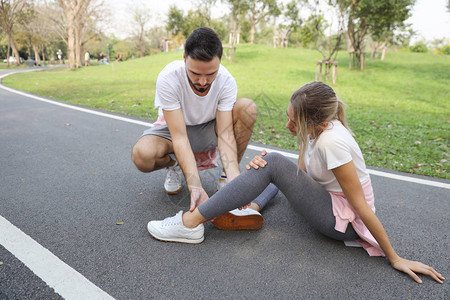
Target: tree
[(238, 10), (11, 13), (391, 16), (372, 17), (204, 9), (175, 20), (37, 31), (141, 17), (258, 10), (77, 19), (292, 21), (193, 20)]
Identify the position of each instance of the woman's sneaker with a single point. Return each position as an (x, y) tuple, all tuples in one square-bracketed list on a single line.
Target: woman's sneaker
[(244, 219), (172, 229), (172, 185)]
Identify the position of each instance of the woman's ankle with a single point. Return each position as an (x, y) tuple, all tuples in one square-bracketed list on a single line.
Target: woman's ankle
[(255, 206), (192, 219)]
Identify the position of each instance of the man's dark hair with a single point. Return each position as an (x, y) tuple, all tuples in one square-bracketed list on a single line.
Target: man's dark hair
[(203, 44)]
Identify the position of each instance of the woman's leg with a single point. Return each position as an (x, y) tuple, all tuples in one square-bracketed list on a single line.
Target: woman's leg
[(266, 195), (306, 196)]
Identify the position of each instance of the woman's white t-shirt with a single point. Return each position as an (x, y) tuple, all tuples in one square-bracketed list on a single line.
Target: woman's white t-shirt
[(173, 92), (334, 147)]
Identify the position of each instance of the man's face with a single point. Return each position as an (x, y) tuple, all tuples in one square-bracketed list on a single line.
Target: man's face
[(201, 74)]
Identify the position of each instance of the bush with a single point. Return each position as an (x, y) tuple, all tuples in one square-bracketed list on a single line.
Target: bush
[(444, 50), (419, 47)]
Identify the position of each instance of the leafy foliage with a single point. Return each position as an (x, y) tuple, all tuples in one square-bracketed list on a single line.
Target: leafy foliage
[(419, 47)]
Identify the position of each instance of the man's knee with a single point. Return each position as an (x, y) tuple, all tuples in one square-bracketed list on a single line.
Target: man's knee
[(245, 109), (146, 152), (141, 159)]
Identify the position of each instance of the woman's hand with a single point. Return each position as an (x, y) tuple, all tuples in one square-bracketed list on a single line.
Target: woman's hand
[(409, 267), (257, 161)]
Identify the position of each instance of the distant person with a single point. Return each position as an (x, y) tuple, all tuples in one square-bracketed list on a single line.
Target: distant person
[(119, 57), (330, 186), (87, 59), (101, 58), (198, 113), (59, 54)]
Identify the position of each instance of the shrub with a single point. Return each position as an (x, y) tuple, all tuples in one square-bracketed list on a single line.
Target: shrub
[(419, 47), (445, 50)]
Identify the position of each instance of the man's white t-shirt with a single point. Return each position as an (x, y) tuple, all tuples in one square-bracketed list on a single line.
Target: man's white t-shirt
[(173, 92), (334, 147)]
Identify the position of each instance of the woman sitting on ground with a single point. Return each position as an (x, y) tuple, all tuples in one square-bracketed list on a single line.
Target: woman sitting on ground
[(329, 187)]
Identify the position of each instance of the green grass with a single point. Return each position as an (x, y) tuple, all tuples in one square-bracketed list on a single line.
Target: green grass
[(4, 66), (398, 108)]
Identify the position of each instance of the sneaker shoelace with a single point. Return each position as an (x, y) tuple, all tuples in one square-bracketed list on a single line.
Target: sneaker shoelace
[(172, 174), (175, 220)]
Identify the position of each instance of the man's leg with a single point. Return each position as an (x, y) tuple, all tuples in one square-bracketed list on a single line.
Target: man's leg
[(150, 153), (244, 118)]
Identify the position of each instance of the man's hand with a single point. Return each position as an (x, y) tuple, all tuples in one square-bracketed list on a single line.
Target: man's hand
[(198, 196)]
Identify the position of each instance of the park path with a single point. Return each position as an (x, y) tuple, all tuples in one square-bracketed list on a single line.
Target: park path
[(68, 180)]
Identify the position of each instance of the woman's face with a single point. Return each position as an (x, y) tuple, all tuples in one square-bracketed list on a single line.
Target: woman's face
[(291, 125)]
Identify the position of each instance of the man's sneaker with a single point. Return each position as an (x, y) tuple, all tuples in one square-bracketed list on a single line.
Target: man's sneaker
[(222, 181), (245, 219), (172, 229), (172, 185)]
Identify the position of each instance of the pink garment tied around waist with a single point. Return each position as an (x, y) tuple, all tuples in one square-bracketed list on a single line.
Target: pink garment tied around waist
[(345, 214), (206, 159)]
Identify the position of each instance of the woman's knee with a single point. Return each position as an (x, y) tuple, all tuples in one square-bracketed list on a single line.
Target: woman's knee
[(274, 157)]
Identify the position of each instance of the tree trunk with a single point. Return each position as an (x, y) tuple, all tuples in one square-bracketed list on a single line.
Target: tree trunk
[(36, 55), (383, 55), (358, 58), (75, 13), (43, 53), (375, 50), (253, 31), (15, 52), (71, 46), (78, 63), (8, 53)]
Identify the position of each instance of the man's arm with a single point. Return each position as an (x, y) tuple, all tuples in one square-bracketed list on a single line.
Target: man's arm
[(227, 143), (182, 147)]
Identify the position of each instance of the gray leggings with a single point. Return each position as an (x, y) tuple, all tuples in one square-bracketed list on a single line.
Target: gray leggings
[(306, 196)]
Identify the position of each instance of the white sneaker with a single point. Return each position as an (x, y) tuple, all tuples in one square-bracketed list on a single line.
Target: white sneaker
[(172, 229), (172, 185), (222, 181), (244, 219)]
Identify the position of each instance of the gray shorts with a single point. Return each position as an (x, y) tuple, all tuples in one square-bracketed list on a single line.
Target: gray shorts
[(201, 137)]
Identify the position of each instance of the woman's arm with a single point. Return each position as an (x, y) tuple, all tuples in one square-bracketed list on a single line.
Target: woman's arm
[(351, 186)]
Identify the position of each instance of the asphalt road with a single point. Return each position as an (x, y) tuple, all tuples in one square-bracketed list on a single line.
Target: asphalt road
[(67, 180)]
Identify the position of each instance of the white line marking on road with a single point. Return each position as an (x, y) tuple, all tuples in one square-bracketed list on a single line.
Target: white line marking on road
[(287, 154), (54, 272), (82, 109)]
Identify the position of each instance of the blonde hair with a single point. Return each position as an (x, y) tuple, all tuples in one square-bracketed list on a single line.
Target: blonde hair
[(313, 104)]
